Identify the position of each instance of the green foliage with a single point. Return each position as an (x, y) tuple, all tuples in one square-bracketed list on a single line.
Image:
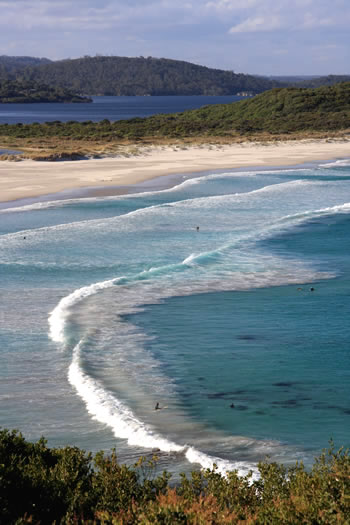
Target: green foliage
[(277, 111), (44, 483), (39, 484), (103, 75), (23, 92)]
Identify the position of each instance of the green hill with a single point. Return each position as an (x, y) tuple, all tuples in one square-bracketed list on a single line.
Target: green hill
[(312, 81), (328, 80), (24, 92), (102, 75), (276, 111), (279, 111), (111, 75), (11, 65)]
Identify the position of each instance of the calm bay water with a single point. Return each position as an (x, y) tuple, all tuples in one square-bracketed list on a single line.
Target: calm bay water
[(110, 305), (111, 108)]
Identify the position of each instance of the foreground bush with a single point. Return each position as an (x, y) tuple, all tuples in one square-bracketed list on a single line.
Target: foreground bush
[(46, 485)]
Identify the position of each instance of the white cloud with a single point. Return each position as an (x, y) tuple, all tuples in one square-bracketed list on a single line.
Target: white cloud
[(295, 15), (312, 21), (219, 33), (258, 23), (239, 15), (231, 5)]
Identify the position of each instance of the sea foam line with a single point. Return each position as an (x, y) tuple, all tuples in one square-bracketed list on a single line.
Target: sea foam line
[(336, 164), (58, 316), (107, 409), (43, 205)]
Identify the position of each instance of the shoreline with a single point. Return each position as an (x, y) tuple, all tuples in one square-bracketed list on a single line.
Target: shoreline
[(28, 179)]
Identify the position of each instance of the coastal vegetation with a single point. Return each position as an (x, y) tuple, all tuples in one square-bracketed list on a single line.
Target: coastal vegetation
[(28, 92), (68, 485), (279, 113)]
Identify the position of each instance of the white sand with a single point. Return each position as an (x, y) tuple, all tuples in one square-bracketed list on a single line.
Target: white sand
[(32, 179)]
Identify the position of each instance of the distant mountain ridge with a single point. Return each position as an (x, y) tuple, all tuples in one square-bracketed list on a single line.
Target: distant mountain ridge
[(112, 75), (104, 75), (329, 80), (9, 65)]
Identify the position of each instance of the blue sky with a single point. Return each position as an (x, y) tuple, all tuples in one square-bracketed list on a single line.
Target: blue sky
[(278, 37)]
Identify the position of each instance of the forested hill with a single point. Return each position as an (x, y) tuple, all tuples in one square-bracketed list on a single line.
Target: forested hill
[(275, 112), (278, 111), (10, 66), (104, 75), (23, 92), (329, 80), (111, 75)]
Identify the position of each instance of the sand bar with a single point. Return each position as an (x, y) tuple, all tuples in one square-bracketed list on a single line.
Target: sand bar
[(27, 178)]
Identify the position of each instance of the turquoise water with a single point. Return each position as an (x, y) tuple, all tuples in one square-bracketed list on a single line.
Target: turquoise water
[(110, 305)]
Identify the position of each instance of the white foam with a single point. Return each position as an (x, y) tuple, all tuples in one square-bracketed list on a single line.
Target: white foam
[(58, 316), (104, 406), (336, 164), (260, 270), (101, 404), (61, 203), (106, 409), (313, 214), (223, 465), (190, 259)]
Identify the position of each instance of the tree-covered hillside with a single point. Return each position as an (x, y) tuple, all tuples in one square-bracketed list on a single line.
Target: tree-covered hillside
[(329, 80), (279, 111), (23, 92), (143, 76), (11, 65), (111, 75)]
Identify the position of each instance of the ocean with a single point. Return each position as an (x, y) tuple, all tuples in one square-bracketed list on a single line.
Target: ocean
[(222, 296)]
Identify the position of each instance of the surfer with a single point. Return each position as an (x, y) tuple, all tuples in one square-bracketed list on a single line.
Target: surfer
[(158, 407), (197, 228)]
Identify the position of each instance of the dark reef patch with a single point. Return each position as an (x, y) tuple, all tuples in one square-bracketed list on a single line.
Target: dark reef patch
[(285, 383)]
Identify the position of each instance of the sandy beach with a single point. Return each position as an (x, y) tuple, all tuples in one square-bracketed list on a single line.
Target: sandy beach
[(27, 178)]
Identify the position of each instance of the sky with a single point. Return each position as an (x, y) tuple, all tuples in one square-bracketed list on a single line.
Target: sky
[(266, 37)]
